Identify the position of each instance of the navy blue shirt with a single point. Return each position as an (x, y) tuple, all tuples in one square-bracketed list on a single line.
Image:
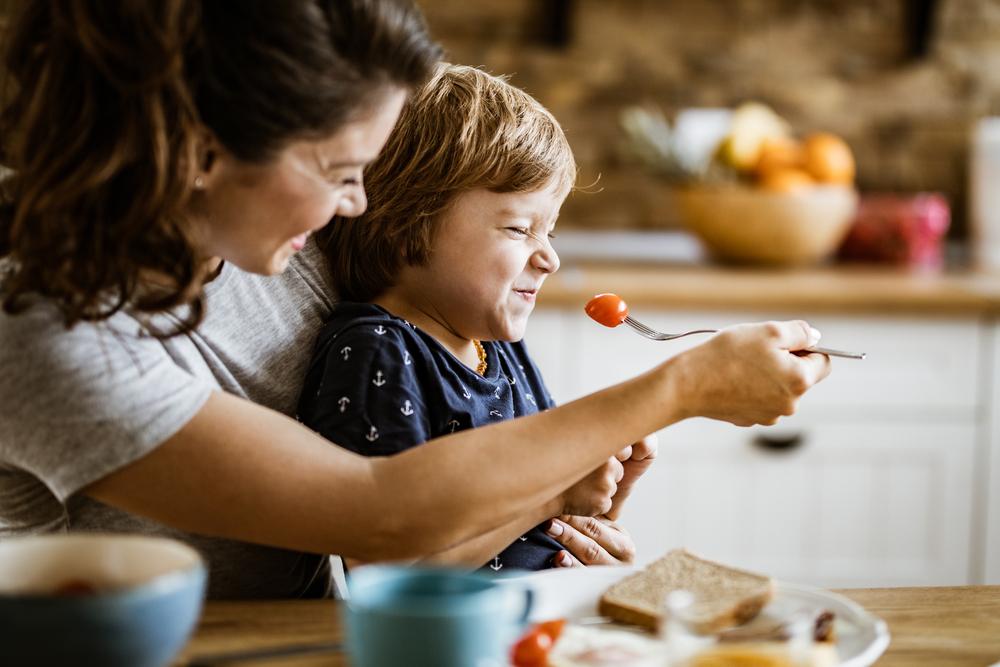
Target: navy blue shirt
[(378, 385)]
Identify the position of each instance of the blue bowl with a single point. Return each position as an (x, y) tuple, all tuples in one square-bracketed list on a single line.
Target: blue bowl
[(108, 600)]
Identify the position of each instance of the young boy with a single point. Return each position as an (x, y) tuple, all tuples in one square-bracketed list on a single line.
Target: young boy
[(438, 278)]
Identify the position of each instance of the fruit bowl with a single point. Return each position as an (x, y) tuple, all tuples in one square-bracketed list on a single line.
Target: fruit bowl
[(749, 225)]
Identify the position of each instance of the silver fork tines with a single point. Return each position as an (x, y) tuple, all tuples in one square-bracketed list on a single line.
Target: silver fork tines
[(653, 334)]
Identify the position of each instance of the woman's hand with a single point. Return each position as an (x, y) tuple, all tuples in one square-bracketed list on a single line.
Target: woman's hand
[(593, 494), (750, 373), (591, 541), (636, 461)]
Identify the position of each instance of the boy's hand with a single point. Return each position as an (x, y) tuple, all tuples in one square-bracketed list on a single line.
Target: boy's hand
[(636, 461), (592, 495), (591, 541)]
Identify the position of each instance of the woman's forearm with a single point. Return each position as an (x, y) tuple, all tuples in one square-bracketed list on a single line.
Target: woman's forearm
[(241, 471)]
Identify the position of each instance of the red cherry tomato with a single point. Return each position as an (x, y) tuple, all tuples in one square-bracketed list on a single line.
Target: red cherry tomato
[(532, 650), (607, 309), (552, 628)]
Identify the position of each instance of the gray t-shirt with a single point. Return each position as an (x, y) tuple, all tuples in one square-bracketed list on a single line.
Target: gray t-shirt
[(78, 404)]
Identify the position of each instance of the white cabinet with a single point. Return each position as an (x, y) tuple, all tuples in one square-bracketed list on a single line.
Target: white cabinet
[(880, 487), (989, 474)]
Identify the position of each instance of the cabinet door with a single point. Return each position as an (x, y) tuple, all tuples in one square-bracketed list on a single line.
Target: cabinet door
[(989, 476), (853, 504)]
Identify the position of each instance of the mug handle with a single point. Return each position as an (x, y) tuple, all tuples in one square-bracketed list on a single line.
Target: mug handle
[(529, 603)]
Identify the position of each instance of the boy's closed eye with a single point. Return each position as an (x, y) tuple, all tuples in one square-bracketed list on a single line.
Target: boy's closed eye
[(524, 231)]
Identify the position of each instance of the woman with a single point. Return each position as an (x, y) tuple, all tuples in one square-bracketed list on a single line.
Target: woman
[(167, 152)]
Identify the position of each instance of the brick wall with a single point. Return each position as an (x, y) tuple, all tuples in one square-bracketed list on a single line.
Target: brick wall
[(852, 67)]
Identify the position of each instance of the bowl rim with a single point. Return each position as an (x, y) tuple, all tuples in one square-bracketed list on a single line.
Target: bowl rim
[(158, 585)]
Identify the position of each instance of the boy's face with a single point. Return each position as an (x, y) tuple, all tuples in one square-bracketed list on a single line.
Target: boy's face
[(490, 255)]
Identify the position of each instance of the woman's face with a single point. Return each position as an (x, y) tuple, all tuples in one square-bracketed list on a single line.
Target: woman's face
[(258, 215), (490, 255)]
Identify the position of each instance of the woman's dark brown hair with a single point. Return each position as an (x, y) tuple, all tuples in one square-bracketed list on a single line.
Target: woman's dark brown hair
[(106, 104)]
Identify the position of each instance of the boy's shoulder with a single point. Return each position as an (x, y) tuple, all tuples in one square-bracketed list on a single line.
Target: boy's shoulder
[(367, 321)]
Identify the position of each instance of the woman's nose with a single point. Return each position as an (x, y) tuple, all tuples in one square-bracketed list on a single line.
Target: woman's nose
[(353, 203)]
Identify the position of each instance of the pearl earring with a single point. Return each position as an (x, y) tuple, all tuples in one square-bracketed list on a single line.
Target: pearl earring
[(199, 182)]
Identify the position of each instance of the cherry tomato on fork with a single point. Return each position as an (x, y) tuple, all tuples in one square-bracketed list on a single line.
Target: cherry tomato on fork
[(607, 309)]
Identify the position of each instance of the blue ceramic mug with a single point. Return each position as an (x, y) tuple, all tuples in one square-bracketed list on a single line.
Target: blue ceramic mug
[(432, 617)]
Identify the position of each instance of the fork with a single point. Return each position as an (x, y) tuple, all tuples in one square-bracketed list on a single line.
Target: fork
[(653, 334)]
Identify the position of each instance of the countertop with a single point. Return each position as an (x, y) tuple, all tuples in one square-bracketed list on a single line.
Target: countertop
[(955, 626), (839, 289), (669, 270)]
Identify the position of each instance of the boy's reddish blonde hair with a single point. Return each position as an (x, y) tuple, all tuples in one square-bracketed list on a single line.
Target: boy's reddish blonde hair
[(463, 130)]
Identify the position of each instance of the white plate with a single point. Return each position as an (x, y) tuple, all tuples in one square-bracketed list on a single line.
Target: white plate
[(574, 592)]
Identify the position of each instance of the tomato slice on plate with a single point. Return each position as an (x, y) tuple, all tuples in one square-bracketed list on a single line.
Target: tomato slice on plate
[(532, 650)]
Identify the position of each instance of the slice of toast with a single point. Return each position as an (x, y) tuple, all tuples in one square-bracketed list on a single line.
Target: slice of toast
[(724, 596)]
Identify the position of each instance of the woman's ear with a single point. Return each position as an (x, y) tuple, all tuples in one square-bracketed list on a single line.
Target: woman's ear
[(207, 154)]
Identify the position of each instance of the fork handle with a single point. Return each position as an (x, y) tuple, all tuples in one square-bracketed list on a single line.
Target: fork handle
[(837, 353)]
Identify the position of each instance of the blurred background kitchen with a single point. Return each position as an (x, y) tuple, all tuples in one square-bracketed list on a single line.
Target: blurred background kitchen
[(885, 476)]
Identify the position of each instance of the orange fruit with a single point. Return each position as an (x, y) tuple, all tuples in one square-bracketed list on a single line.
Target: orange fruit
[(779, 153), (828, 158), (786, 180)]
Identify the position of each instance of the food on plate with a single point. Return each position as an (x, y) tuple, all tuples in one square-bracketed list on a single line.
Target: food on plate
[(765, 654), (604, 646), (821, 628), (607, 309), (724, 596), (532, 649)]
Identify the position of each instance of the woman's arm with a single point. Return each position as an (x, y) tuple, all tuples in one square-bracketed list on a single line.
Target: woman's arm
[(241, 471)]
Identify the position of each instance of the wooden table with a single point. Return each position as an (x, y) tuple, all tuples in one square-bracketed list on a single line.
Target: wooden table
[(954, 626)]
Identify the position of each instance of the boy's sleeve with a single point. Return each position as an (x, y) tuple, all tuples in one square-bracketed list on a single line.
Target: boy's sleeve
[(368, 396)]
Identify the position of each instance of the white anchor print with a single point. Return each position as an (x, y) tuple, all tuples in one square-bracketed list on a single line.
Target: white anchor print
[(531, 399), (496, 565), (453, 424), (407, 359), (466, 394), (495, 413), (380, 330), (523, 538), (379, 380), (346, 351), (372, 435), (407, 408), (520, 366), (512, 380), (497, 392), (343, 402)]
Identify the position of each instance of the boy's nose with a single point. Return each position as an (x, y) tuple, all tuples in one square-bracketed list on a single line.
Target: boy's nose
[(547, 259)]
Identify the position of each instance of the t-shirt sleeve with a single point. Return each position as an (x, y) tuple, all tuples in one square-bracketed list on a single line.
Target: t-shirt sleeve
[(367, 394), (81, 403)]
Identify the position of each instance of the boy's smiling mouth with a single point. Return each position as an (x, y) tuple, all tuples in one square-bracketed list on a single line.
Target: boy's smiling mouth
[(527, 294)]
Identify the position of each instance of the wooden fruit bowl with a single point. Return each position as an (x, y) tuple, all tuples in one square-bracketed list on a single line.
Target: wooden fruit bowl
[(748, 225)]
